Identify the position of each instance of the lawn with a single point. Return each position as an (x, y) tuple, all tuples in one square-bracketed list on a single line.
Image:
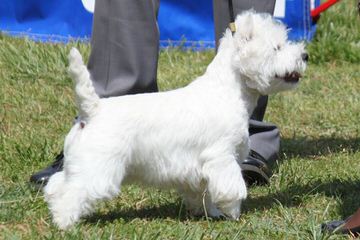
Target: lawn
[(316, 179)]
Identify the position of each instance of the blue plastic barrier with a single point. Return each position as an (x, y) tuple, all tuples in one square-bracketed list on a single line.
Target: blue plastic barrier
[(61, 20)]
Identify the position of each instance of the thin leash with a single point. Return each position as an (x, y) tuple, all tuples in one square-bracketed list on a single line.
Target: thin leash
[(232, 17)]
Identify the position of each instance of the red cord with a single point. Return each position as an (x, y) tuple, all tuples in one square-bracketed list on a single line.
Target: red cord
[(316, 12)]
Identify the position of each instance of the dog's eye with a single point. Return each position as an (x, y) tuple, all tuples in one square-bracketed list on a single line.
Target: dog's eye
[(248, 38)]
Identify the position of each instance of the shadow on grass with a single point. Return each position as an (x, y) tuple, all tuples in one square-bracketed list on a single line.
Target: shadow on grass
[(295, 194), (173, 211), (291, 196), (303, 147)]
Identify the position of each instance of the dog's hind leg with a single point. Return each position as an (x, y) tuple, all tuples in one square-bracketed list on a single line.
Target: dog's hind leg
[(81, 189), (54, 186), (68, 205), (225, 184)]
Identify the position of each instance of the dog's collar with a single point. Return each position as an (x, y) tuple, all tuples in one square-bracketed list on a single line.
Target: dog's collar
[(232, 18)]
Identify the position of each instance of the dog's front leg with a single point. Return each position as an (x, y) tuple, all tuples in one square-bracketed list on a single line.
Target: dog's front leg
[(243, 149), (192, 201), (225, 184), (198, 203)]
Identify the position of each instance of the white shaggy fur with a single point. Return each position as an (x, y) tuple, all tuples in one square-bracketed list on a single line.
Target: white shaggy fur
[(191, 139)]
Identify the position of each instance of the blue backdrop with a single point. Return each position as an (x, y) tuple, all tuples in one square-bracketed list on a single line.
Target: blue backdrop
[(60, 20)]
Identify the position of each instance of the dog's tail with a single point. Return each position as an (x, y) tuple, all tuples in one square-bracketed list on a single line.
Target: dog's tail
[(86, 97)]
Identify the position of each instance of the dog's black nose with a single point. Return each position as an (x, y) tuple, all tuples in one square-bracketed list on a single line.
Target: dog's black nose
[(305, 57)]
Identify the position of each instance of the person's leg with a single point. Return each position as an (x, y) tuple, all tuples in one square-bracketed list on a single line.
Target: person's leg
[(264, 137), (124, 47), (124, 54)]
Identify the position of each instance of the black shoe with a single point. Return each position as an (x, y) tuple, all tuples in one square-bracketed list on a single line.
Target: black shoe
[(338, 227), (332, 226), (351, 225), (255, 170), (43, 176)]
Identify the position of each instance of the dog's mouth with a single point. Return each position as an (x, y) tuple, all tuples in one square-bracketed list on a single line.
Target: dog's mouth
[(292, 77)]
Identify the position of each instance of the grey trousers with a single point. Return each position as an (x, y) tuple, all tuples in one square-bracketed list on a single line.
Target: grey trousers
[(124, 55), (124, 47)]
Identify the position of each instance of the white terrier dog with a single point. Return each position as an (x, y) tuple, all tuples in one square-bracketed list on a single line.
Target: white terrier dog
[(191, 139)]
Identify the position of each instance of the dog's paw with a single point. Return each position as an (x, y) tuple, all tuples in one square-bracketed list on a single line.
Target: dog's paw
[(63, 222), (232, 209)]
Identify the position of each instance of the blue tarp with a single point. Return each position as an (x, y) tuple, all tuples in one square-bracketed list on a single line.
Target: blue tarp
[(60, 20), (45, 19), (297, 18)]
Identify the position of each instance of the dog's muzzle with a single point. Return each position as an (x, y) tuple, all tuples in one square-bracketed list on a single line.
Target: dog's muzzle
[(292, 77)]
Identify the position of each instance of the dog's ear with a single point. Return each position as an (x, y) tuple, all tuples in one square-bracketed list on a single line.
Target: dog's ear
[(243, 35), (245, 26)]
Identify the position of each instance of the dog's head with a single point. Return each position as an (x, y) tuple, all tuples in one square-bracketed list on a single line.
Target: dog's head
[(264, 57)]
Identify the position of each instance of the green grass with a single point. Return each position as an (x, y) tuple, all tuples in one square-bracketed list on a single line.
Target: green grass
[(316, 179), (338, 35)]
